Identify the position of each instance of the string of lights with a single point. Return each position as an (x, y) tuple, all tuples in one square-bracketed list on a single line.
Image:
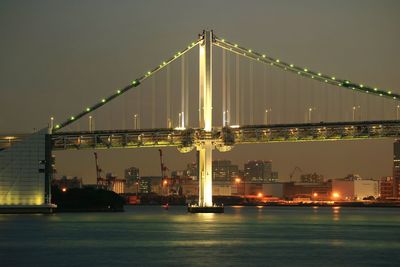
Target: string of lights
[(329, 79)]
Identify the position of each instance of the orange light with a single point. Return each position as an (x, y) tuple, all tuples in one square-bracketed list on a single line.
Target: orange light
[(259, 194), (64, 189), (238, 180), (335, 195), (315, 194), (165, 182)]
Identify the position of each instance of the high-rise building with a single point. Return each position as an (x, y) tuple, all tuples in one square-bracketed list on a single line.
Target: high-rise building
[(131, 175), (132, 178), (224, 171), (259, 171), (396, 169)]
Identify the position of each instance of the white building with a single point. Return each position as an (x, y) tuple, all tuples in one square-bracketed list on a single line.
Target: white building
[(355, 189)]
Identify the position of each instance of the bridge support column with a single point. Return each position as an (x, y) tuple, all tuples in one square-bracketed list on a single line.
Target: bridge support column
[(205, 174), (206, 146), (205, 119)]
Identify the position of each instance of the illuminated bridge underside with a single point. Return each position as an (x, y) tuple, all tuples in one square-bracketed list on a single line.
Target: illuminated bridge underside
[(227, 136)]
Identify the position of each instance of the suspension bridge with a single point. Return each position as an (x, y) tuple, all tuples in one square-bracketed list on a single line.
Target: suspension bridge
[(259, 99)]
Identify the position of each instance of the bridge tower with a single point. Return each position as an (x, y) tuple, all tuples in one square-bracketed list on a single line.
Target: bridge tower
[(205, 147)]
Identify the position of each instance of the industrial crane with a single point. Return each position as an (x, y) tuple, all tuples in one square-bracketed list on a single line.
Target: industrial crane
[(110, 180), (100, 180), (293, 172), (163, 167), (164, 178)]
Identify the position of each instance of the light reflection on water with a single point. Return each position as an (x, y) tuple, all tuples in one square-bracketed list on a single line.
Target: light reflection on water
[(243, 236)]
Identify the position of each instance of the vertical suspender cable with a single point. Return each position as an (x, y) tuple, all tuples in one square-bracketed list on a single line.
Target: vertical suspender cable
[(110, 117), (153, 102), (284, 118), (168, 98), (182, 116), (187, 91), (228, 91), (237, 95), (138, 108), (264, 102), (124, 112), (223, 88), (242, 109), (251, 93)]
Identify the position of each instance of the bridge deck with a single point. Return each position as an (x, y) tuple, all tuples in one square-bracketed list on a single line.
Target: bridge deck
[(246, 134), (229, 136)]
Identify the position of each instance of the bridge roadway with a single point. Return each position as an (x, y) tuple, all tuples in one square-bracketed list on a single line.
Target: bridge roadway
[(184, 139), (226, 137)]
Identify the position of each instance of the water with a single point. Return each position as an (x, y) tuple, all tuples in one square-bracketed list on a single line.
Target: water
[(243, 236)]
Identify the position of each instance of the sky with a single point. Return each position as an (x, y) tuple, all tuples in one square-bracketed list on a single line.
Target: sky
[(58, 56)]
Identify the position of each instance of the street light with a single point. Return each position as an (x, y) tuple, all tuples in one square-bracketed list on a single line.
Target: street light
[(335, 195), (51, 123), (310, 110), (135, 121), (266, 115), (397, 112), (354, 111), (165, 184), (90, 123)]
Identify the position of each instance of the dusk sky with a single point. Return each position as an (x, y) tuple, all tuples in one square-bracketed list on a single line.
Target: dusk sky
[(57, 57)]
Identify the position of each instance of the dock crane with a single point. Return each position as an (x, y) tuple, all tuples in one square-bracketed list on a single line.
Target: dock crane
[(110, 180), (163, 167), (164, 178), (293, 172), (101, 182)]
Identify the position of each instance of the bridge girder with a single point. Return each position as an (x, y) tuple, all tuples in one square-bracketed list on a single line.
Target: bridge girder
[(225, 138)]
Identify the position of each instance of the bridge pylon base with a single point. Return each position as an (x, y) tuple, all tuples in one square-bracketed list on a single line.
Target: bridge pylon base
[(212, 209)]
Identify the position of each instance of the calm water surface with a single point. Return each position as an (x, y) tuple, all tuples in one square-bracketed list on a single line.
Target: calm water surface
[(243, 236)]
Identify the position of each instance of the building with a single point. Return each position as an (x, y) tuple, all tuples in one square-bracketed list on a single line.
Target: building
[(26, 172), (132, 178), (224, 171), (314, 191), (151, 184), (386, 187), (354, 189), (312, 178), (115, 184), (222, 190), (396, 169), (259, 171)]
